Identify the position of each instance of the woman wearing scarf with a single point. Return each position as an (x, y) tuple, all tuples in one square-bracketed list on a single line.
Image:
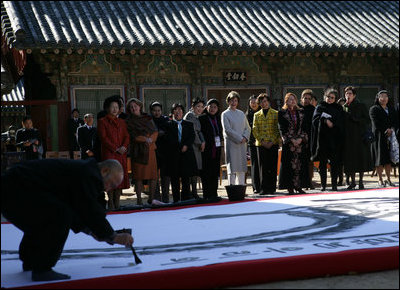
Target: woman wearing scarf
[(327, 133), (143, 134)]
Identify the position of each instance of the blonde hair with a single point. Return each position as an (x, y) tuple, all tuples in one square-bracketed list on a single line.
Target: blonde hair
[(284, 107)]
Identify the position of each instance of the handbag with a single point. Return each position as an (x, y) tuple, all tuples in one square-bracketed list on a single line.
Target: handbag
[(394, 148), (368, 136)]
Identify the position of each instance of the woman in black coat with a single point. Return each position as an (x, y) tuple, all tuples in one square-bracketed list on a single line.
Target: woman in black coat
[(384, 124), (294, 173), (180, 156), (253, 107), (327, 134), (211, 128), (356, 153)]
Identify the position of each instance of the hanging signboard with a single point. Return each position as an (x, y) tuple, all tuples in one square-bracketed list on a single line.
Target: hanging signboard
[(236, 76)]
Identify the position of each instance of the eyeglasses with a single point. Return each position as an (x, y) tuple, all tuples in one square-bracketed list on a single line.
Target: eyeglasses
[(330, 97)]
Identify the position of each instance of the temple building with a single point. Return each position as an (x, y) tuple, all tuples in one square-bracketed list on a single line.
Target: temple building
[(61, 55)]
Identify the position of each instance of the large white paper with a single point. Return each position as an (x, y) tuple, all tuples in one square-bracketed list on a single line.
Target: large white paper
[(210, 234)]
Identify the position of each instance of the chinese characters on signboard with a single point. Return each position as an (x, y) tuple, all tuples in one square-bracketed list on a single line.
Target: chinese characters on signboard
[(235, 76)]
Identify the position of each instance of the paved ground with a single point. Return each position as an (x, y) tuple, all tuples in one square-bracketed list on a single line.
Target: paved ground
[(376, 280)]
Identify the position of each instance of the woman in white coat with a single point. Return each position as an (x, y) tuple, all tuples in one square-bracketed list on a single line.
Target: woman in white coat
[(236, 130)]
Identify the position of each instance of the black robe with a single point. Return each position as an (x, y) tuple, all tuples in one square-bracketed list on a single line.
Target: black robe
[(356, 153), (327, 143), (46, 198), (380, 123)]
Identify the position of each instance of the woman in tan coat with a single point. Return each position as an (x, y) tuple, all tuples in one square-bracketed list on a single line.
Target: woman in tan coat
[(143, 135)]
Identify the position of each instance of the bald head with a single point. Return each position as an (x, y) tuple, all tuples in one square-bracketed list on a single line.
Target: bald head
[(112, 172)]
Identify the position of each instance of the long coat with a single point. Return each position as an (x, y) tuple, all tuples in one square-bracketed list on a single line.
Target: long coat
[(198, 136), (113, 134), (209, 136), (161, 144), (326, 143), (294, 171), (178, 163), (356, 153), (235, 127), (381, 121)]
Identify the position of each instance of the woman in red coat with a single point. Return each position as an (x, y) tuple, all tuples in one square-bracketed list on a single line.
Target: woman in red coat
[(114, 138)]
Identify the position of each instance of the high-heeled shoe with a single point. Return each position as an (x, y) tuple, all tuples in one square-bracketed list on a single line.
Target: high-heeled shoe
[(389, 183), (351, 186), (361, 186), (290, 190), (299, 190), (381, 183)]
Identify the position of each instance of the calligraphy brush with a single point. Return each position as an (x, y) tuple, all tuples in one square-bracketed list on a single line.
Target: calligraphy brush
[(137, 260), (129, 231)]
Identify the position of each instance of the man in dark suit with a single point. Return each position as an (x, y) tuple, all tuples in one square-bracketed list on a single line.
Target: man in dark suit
[(180, 156), (73, 124), (46, 211), (28, 139), (87, 138)]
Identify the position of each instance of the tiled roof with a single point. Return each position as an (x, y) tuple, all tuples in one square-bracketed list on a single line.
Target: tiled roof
[(244, 25), (17, 94)]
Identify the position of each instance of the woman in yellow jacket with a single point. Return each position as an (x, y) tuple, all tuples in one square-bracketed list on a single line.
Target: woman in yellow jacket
[(266, 133)]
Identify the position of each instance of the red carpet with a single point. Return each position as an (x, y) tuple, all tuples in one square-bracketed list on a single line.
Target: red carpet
[(364, 238)]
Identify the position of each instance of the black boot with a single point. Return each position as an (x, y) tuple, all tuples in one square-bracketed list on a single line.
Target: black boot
[(48, 276)]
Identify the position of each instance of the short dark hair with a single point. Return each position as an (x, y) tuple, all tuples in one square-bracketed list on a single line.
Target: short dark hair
[(213, 101), (197, 101), (352, 89), (155, 104), (75, 110), (112, 99), (27, 117), (378, 94), (175, 106), (329, 91), (263, 96)]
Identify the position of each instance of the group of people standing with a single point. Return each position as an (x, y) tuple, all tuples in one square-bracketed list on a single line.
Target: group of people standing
[(180, 148), (338, 132), (165, 151)]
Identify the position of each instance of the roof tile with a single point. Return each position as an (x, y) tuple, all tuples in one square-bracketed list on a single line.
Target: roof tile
[(261, 25)]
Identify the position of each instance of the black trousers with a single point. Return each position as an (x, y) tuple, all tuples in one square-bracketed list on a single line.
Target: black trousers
[(177, 194), (255, 173), (209, 178), (44, 220), (162, 195), (323, 171), (268, 165)]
